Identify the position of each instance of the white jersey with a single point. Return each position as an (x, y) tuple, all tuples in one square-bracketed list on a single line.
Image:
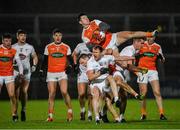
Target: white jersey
[(82, 68), (128, 51), (81, 48), (25, 52), (104, 62)]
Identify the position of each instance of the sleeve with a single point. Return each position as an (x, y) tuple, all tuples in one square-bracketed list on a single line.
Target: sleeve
[(97, 21), (104, 27), (85, 39), (46, 51), (77, 49), (69, 51), (18, 61)]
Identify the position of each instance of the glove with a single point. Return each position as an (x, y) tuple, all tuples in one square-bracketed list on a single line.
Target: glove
[(104, 70), (102, 34), (76, 68), (68, 69), (155, 33), (33, 68), (19, 79)]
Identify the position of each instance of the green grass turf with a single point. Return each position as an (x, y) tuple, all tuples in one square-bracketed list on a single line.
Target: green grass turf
[(37, 114)]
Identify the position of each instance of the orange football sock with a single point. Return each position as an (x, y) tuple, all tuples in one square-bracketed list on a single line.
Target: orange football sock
[(161, 111), (143, 111)]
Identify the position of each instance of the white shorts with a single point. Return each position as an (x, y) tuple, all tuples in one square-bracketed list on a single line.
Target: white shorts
[(148, 77), (118, 73), (27, 76), (82, 78), (6, 79), (112, 43), (103, 86), (56, 76)]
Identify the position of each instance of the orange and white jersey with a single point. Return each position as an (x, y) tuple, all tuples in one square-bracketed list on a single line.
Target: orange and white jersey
[(6, 61), (57, 56), (149, 55), (87, 34)]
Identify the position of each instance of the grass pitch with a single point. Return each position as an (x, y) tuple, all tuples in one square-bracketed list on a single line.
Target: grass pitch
[(37, 114)]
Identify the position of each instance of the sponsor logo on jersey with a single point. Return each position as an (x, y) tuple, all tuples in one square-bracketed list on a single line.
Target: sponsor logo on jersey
[(57, 55), (22, 56), (149, 54), (5, 59)]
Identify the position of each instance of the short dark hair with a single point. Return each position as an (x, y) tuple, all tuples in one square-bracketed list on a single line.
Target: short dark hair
[(98, 47), (79, 16), (20, 31), (7, 35), (83, 56), (56, 30)]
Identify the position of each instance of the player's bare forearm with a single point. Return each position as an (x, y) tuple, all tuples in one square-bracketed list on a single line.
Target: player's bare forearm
[(74, 55), (35, 59)]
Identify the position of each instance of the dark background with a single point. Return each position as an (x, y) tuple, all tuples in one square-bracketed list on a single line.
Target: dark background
[(91, 6), (40, 17)]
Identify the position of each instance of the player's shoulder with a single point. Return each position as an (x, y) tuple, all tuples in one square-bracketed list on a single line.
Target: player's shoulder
[(29, 45), (65, 45), (14, 45), (13, 50), (91, 60), (156, 44), (97, 21), (50, 44)]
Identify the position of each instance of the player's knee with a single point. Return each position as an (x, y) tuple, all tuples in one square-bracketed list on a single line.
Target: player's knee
[(64, 93), (157, 94), (12, 96), (52, 95), (81, 95)]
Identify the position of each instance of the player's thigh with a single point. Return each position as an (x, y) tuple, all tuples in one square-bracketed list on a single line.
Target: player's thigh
[(155, 86), (143, 88), (63, 83), (82, 88), (52, 87), (10, 88)]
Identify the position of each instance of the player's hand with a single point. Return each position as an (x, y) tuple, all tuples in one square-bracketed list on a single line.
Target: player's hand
[(41, 73), (98, 35), (104, 70), (20, 78), (68, 69), (155, 33), (33, 68)]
